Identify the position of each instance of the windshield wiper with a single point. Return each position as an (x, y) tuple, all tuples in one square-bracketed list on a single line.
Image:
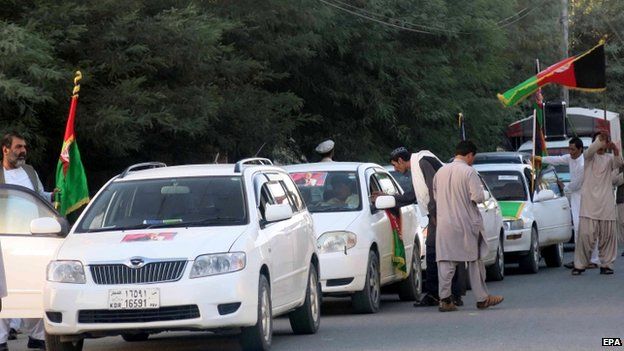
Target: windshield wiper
[(200, 222)]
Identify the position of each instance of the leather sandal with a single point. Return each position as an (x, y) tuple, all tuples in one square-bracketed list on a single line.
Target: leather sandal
[(576, 271), (605, 270), (491, 300)]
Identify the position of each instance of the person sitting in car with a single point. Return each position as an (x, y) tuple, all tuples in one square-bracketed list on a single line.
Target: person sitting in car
[(342, 194)]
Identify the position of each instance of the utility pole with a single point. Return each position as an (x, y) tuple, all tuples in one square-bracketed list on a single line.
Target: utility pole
[(565, 96)]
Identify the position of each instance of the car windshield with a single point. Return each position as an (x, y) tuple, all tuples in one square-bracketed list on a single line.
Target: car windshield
[(334, 191), (506, 185), (159, 203)]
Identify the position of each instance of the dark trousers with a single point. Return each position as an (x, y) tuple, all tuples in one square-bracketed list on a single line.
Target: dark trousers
[(431, 275)]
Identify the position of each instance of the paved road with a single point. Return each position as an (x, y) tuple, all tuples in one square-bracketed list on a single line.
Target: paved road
[(548, 311)]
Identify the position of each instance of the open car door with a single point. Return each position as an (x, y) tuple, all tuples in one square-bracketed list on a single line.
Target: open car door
[(25, 255)]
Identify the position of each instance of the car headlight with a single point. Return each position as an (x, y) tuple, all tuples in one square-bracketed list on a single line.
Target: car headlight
[(514, 225), (336, 241), (66, 272), (214, 264)]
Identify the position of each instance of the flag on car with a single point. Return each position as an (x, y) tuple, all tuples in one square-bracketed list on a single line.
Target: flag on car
[(398, 252), (582, 72), (71, 180)]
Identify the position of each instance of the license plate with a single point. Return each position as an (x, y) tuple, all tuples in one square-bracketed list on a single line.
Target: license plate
[(133, 299)]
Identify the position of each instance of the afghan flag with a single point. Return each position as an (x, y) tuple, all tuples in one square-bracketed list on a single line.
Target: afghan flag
[(582, 72), (71, 179), (398, 253)]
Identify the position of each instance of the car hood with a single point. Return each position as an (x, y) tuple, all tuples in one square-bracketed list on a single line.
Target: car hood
[(332, 221), (151, 243)]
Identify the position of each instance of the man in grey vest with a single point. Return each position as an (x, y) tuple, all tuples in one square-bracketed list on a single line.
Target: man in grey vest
[(16, 171)]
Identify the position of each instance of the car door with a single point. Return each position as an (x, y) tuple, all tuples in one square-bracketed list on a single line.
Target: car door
[(303, 234), (380, 229), (25, 255), (279, 235), (490, 211), (554, 214), (409, 221)]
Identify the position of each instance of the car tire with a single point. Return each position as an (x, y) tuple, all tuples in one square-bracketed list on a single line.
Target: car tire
[(411, 287), (259, 336), (496, 272), (307, 318), (530, 262), (553, 255), (135, 337), (369, 299), (54, 343)]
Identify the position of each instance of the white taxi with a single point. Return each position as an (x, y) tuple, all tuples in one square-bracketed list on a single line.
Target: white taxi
[(198, 247), (355, 237), (536, 224)]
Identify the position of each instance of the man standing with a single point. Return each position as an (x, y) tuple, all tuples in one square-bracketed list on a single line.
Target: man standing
[(598, 215), (619, 205), (421, 167), (326, 150), (575, 162), (16, 171), (457, 190)]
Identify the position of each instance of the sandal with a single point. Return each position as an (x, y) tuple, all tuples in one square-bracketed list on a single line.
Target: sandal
[(491, 300), (605, 270), (576, 271)]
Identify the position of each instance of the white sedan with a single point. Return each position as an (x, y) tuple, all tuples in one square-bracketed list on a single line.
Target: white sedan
[(354, 237), (536, 224)]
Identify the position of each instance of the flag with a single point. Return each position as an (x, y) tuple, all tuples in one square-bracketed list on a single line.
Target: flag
[(582, 72), (398, 253), (539, 138), (71, 180)]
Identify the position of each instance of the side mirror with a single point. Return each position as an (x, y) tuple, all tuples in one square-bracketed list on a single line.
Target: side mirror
[(45, 225), (275, 213), (385, 202), (545, 195), (486, 195)]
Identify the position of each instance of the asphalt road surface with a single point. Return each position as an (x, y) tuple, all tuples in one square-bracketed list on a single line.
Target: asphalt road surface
[(551, 310)]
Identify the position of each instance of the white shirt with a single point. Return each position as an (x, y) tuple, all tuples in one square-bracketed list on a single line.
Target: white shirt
[(576, 170), (19, 176)]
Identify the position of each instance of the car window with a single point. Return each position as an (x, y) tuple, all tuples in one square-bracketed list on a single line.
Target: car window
[(188, 201), (548, 180), (329, 191), (386, 184), (405, 181), (18, 209), (505, 185), (293, 192)]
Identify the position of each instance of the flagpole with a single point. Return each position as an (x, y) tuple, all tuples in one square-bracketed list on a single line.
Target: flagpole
[(537, 69)]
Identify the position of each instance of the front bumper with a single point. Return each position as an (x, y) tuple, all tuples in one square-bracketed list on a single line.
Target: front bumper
[(338, 266), (517, 240), (207, 293)]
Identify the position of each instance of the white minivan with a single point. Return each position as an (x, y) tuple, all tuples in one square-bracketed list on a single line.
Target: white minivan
[(196, 247)]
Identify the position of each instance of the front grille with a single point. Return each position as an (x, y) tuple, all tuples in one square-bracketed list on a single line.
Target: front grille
[(155, 272), (171, 313)]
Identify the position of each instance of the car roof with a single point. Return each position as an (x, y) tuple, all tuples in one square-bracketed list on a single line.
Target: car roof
[(184, 171), (501, 157), (484, 167), (328, 166)]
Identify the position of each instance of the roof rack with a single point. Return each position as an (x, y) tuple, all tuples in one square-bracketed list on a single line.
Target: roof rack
[(253, 160), (141, 166)]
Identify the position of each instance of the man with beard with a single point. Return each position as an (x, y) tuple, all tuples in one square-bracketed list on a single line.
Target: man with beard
[(421, 167), (16, 171)]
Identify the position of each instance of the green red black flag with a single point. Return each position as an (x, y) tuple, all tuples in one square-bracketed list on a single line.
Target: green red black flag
[(584, 72)]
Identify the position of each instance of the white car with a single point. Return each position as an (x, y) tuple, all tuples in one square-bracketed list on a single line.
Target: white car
[(536, 224), (354, 237), (198, 247)]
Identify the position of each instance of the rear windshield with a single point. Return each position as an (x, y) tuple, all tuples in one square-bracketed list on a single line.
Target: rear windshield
[(335, 191), (159, 203), (506, 185)]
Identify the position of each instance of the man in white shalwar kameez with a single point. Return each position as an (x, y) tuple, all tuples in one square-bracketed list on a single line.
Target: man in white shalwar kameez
[(575, 161), (457, 190)]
